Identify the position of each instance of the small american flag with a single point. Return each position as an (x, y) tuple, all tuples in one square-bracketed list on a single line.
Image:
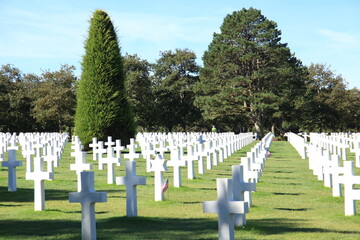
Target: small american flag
[(165, 186)]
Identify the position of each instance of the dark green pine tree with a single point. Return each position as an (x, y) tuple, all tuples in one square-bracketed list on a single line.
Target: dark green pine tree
[(102, 108), (246, 68)]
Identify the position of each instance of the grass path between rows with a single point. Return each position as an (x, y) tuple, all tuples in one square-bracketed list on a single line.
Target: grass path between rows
[(289, 204)]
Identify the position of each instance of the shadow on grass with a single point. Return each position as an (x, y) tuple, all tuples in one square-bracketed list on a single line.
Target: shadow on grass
[(286, 194), (157, 228), (27, 195), (294, 209), (35, 229), (112, 228), (275, 226)]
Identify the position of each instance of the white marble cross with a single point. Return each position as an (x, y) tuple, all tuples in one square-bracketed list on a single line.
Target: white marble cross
[(208, 152), (132, 153), (200, 154), (162, 148), (39, 176), (176, 163), (87, 197), (11, 164), (110, 161), (27, 153), (350, 194), (79, 166), (118, 148), (131, 181), (109, 143), (94, 146), (225, 207), (241, 191), (101, 150), (147, 152), (158, 166), (190, 158)]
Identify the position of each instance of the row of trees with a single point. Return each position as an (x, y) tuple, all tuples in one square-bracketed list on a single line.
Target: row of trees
[(249, 80)]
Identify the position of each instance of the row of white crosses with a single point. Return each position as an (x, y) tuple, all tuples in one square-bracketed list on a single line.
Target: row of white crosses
[(328, 161), (113, 156), (86, 194), (298, 142), (214, 147), (233, 201), (31, 144)]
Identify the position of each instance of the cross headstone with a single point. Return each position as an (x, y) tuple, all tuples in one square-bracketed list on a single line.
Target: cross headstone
[(118, 148), (39, 176), (110, 161), (225, 207), (109, 143), (28, 152), (200, 153), (176, 163), (241, 191), (158, 166), (79, 166), (11, 164), (101, 150), (162, 148), (350, 194), (94, 146), (147, 153), (87, 197), (190, 158), (132, 153), (131, 181)]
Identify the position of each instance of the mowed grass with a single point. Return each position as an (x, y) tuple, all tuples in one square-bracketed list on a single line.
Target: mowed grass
[(289, 204)]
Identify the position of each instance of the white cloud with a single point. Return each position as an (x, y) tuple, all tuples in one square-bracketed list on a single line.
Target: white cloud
[(162, 29), (340, 37)]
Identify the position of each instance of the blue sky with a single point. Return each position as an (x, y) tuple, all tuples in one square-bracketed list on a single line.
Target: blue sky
[(41, 35)]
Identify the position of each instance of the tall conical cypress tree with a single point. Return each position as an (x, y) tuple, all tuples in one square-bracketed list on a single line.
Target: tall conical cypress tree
[(102, 109)]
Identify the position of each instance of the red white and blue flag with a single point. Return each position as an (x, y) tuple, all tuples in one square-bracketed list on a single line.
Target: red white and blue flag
[(165, 186)]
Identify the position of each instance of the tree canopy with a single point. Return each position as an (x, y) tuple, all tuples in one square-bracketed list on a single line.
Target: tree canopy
[(102, 107), (250, 80)]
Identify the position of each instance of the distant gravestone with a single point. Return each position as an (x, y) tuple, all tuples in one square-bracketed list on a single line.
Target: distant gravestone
[(225, 207), (79, 166), (131, 181), (11, 164), (190, 158), (158, 166), (132, 155), (39, 176), (87, 197), (94, 146), (176, 163), (101, 150), (240, 188), (118, 148), (110, 161), (28, 152)]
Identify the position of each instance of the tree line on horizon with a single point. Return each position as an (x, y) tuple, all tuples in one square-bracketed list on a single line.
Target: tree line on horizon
[(250, 81)]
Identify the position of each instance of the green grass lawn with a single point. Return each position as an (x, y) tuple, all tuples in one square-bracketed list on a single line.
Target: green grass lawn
[(289, 204)]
